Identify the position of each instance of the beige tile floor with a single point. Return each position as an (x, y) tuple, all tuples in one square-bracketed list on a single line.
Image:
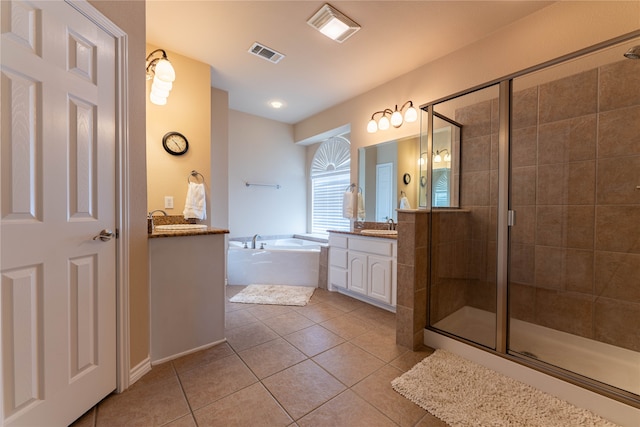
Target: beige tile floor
[(329, 363)]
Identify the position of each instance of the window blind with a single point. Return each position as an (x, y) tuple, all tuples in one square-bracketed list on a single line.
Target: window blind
[(327, 195)]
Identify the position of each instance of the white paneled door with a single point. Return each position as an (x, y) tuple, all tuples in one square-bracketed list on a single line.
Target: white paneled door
[(57, 169)]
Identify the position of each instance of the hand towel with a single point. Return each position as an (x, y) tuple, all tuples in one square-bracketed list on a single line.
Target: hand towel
[(195, 206), (404, 203), (361, 212), (348, 208)]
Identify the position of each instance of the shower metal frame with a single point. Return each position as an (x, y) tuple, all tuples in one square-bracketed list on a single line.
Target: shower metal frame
[(505, 86)]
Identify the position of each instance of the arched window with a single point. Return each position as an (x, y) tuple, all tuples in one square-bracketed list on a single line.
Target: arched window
[(441, 187), (330, 176)]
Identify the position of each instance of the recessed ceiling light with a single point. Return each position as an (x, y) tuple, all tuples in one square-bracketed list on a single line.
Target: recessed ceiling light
[(276, 104), (333, 24)]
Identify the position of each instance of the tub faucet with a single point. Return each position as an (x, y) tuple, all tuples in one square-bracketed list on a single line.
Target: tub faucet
[(153, 225), (253, 241), (391, 224)]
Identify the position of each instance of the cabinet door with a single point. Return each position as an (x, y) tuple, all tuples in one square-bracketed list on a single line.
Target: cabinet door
[(337, 257), (379, 271), (357, 273), (337, 278)]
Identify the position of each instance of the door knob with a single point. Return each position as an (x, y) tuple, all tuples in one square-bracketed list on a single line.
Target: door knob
[(105, 235)]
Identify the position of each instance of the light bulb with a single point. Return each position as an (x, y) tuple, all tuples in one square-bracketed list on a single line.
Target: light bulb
[(396, 119), (437, 158), (334, 28), (383, 123), (159, 92), (372, 126), (447, 157), (162, 84), (158, 100), (164, 71), (411, 115)]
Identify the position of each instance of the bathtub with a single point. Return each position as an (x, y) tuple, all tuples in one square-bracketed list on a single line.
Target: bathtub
[(288, 261)]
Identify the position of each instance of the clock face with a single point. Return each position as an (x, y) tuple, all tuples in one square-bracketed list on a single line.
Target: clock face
[(175, 143)]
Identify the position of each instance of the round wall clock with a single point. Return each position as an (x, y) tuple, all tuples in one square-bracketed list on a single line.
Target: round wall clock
[(175, 143)]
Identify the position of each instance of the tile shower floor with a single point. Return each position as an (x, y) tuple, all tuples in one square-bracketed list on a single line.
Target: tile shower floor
[(329, 363)]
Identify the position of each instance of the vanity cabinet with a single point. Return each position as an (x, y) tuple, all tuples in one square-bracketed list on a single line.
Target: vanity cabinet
[(364, 268)]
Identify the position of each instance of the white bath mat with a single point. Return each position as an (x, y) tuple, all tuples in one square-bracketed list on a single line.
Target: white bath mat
[(274, 294), (463, 393)]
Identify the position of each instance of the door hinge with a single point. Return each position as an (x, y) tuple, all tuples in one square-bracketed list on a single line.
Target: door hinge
[(511, 218)]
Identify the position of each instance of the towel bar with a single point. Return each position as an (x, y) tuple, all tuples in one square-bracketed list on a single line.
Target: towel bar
[(197, 176), (276, 186), (352, 187)]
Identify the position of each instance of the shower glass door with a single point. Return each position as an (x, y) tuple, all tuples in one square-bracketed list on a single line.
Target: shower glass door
[(463, 187), (574, 254)]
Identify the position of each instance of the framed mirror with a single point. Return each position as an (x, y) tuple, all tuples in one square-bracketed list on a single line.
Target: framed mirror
[(440, 164), (386, 174)]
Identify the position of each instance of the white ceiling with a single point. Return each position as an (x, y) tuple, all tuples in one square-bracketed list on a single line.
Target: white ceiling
[(318, 73)]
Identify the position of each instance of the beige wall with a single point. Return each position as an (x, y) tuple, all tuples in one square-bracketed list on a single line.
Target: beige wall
[(408, 155), (188, 111), (219, 158), (262, 151), (557, 30), (130, 17)]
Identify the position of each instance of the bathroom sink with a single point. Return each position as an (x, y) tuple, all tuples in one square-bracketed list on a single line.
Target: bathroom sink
[(180, 227), (380, 232)]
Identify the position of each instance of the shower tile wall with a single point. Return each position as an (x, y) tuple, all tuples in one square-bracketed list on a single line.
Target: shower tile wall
[(575, 249), (464, 255)]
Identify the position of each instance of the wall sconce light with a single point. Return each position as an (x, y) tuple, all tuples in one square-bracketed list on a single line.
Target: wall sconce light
[(395, 118), (162, 72), (333, 24), (633, 53), (437, 158)]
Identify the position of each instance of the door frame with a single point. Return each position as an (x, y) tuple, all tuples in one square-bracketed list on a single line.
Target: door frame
[(123, 195)]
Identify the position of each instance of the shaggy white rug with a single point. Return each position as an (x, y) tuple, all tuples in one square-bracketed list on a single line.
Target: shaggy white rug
[(274, 294), (463, 393)]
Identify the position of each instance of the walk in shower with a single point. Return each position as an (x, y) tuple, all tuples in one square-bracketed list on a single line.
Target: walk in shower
[(535, 254)]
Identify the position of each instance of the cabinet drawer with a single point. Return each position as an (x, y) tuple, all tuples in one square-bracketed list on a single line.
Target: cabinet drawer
[(371, 246), (338, 277), (337, 241), (338, 257)]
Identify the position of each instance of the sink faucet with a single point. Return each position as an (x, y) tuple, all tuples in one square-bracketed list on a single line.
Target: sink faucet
[(153, 225), (391, 224), (253, 241)]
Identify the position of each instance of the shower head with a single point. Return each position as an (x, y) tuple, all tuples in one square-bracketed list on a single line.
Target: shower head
[(633, 53)]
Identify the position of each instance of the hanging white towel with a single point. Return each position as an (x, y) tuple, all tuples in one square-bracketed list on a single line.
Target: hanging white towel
[(361, 212), (348, 202), (404, 203), (195, 206)]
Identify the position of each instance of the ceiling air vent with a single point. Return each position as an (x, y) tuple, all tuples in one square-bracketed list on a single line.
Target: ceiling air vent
[(266, 53)]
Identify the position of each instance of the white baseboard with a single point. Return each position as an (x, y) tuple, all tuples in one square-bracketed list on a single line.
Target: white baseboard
[(184, 353), (139, 371)]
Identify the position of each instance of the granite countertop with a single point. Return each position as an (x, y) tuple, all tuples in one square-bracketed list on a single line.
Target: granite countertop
[(179, 219), (358, 233), (179, 233)]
